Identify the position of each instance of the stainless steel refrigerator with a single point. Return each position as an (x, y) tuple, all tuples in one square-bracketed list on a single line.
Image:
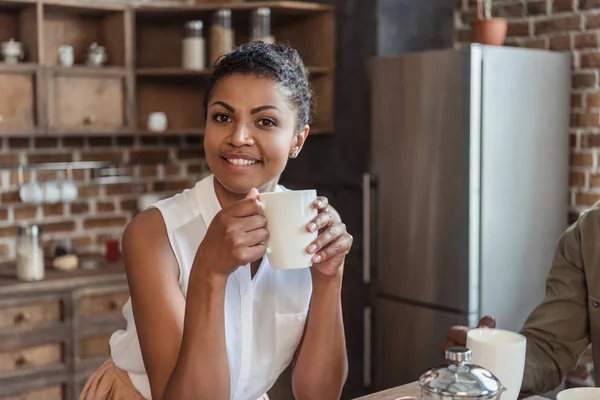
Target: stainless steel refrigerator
[(466, 196)]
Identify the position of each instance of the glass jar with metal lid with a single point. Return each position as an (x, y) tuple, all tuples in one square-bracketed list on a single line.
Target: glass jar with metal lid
[(221, 34), (30, 253), (260, 29)]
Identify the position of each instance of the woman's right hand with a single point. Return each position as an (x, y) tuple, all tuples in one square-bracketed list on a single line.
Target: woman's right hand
[(457, 335), (235, 237)]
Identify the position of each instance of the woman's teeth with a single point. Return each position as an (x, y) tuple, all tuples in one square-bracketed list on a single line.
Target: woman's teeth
[(239, 161)]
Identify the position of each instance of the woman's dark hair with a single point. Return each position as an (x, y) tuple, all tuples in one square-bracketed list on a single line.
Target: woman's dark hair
[(276, 61)]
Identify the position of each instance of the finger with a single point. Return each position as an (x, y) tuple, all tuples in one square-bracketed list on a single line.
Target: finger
[(340, 246), (254, 253), (331, 234), (458, 335), (252, 222), (252, 194), (320, 221), (487, 322), (246, 207), (321, 203), (253, 238)]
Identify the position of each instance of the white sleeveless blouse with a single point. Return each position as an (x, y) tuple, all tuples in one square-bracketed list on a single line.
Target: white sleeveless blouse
[(264, 315)]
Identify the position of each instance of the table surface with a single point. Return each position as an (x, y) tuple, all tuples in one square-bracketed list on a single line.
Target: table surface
[(411, 389)]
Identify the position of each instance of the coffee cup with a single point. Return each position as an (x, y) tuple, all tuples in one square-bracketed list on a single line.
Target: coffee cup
[(583, 393), (288, 213)]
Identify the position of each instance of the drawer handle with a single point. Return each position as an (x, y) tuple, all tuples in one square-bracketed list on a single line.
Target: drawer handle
[(21, 318), (113, 305), (21, 361), (89, 120)]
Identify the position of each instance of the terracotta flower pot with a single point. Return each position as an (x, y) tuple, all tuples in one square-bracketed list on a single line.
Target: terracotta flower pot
[(489, 31)]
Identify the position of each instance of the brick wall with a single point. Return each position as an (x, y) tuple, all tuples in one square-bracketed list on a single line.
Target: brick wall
[(560, 25), (163, 165)]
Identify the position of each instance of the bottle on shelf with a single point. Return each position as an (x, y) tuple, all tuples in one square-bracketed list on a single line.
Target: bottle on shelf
[(221, 34), (193, 51), (260, 25)]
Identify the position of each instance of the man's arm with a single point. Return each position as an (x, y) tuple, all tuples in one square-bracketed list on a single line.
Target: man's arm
[(557, 330)]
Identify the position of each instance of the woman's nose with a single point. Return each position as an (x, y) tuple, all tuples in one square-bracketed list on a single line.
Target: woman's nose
[(241, 136)]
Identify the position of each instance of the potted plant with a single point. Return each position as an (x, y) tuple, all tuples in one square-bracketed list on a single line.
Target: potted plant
[(488, 30)]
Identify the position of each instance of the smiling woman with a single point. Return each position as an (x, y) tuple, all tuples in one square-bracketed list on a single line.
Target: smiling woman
[(208, 317)]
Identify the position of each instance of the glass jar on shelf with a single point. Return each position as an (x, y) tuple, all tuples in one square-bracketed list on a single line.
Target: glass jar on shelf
[(221, 34), (30, 253), (193, 47), (260, 25)]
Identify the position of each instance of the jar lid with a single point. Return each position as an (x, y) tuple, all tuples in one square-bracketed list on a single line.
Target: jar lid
[(459, 378), (263, 11), (224, 13), (195, 25), (29, 230)]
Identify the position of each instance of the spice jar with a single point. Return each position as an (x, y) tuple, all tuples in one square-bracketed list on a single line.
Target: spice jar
[(30, 254), (221, 35), (193, 51), (260, 29)]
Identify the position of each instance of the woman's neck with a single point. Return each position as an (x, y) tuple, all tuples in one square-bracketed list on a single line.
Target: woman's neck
[(227, 198)]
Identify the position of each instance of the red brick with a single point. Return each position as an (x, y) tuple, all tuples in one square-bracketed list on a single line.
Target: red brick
[(585, 4), (173, 185), (137, 156), (538, 43), (537, 7), (95, 223), (583, 80), (508, 10), (190, 154), (129, 205), (53, 210), (114, 156), (585, 119), (196, 168), (3, 214), (19, 143), (586, 199), (562, 42), (25, 212), (558, 24), (55, 227), (573, 140), (49, 157), (119, 188), (46, 175), (89, 191), (576, 100), (4, 249), (81, 241), (148, 171), (45, 143), (105, 206), (79, 208), (582, 159), (590, 141), (592, 21), (594, 180), (14, 177), (7, 159), (11, 196), (586, 40), (590, 60), (8, 231), (593, 99), (563, 6), (577, 179), (518, 29)]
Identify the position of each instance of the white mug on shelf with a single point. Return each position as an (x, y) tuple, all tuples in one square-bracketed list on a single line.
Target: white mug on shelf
[(66, 56), (31, 193), (157, 122)]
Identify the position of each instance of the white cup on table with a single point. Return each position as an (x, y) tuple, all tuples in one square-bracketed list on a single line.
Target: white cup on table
[(584, 393), (287, 215), (502, 353)]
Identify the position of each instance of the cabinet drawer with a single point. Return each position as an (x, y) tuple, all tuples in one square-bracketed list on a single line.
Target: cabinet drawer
[(50, 393), (87, 103), (18, 102), (94, 346), (30, 313), (31, 358), (98, 304)]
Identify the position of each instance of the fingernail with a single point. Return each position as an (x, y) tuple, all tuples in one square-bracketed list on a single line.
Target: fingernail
[(311, 249), (312, 226), (318, 203), (317, 258)]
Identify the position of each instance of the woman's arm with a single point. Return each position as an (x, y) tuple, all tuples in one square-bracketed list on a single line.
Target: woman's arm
[(171, 348), (321, 365)]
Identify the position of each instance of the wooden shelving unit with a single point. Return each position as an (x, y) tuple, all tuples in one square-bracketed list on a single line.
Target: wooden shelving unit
[(143, 73)]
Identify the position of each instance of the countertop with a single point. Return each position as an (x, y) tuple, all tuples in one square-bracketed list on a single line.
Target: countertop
[(411, 389)]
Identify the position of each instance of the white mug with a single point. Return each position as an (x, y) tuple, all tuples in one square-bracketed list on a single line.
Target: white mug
[(502, 353), (52, 192), (69, 191), (66, 55), (31, 193), (157, 122), (583, 393), (287, 214)]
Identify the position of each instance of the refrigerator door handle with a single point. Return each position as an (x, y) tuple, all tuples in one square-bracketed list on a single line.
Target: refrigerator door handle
[(366, 227), (367, 347)]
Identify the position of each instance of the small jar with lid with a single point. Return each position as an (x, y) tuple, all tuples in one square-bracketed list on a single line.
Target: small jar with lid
[(30, 253), (460, 380), (221, 34), (193, 46), (260, 25)]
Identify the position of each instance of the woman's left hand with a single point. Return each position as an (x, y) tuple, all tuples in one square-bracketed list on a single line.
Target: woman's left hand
[(332, 243)]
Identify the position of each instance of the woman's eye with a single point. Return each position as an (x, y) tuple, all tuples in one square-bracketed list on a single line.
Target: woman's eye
[(221, 118), (266, 122)]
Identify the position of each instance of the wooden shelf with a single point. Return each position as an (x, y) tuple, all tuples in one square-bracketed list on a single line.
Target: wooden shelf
[(177, 71), (294, 7), (173, 132), (20, 68), (82, 70)]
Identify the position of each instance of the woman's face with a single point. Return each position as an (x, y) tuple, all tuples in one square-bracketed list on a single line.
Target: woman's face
[(250, 132)]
